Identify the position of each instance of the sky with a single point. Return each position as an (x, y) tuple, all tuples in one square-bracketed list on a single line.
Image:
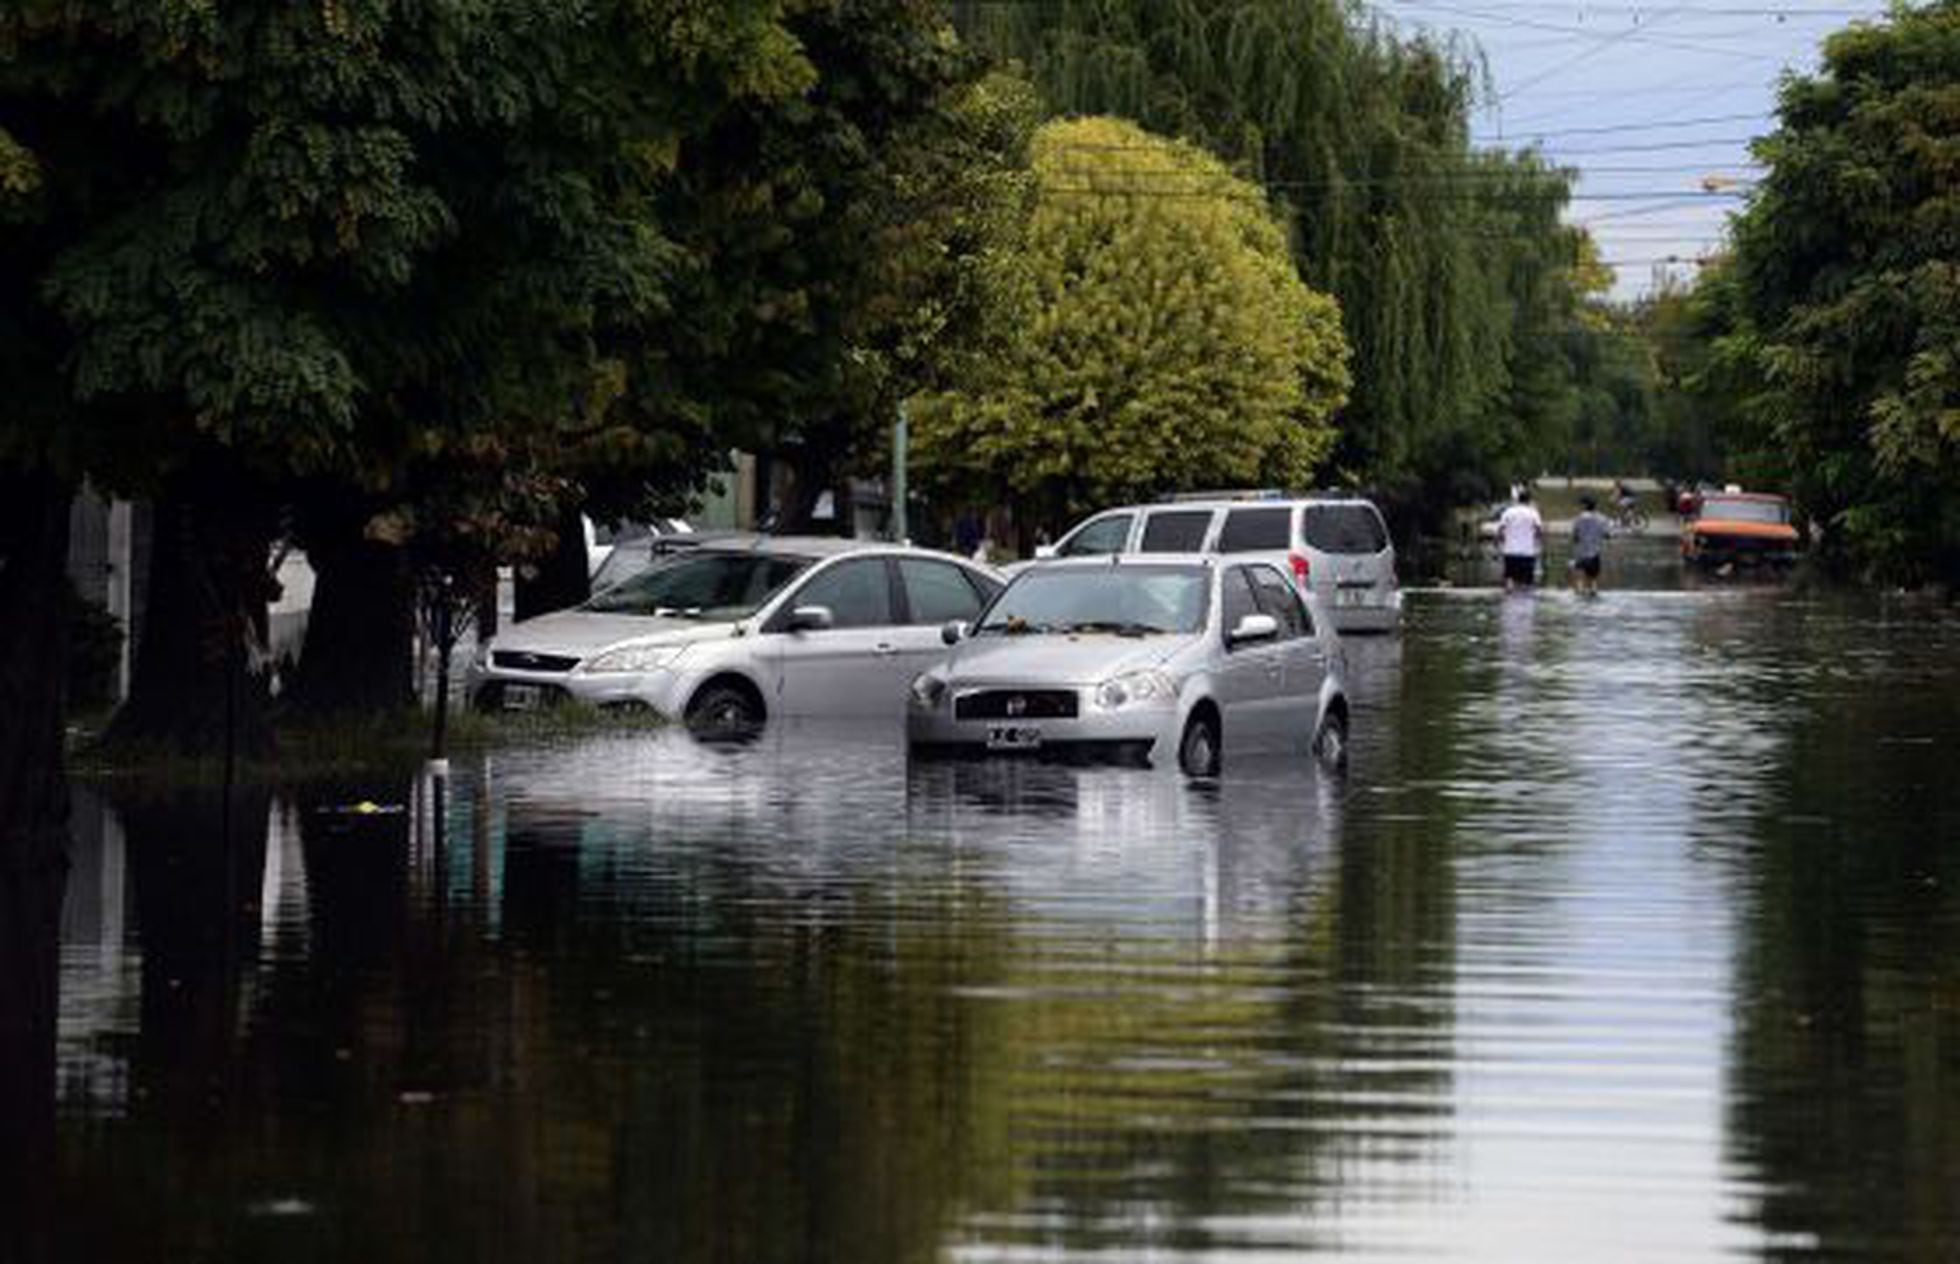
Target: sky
[(1654, 105)]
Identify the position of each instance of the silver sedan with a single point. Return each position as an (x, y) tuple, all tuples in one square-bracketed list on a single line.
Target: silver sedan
[(743, 629), (1154, 658)]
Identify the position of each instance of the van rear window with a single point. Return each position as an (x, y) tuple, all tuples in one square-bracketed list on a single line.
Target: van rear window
[(1257, 530), (1343, 529)]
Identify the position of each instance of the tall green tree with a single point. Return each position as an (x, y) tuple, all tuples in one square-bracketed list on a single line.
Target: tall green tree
[(1161, 339), (1847, 268), (1362, 138)]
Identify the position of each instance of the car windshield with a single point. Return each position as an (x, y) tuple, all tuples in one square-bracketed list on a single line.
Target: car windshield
[(1738, 509), (1119, 600), (714, 586)]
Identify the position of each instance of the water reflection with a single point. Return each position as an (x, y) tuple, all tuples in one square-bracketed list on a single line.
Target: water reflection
[(1630, 934)]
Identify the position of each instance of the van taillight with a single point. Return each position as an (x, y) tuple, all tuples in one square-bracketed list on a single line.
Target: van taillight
[(1300, 567)]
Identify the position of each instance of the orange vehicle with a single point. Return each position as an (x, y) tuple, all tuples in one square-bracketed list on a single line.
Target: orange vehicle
[(1743, 528)]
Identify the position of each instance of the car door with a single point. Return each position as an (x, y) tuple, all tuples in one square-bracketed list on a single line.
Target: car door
[(1303, 660), (1251, 676), (853, 668), (936, 593)]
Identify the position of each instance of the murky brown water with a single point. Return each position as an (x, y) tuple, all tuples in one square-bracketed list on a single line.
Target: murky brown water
[(1633, 933)]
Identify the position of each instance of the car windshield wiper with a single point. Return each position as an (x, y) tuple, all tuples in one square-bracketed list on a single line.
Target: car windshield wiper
[(1019, 627), (1117, 627)]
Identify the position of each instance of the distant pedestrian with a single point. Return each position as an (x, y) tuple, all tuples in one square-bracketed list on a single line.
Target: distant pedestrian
[(1589, 532), (1520, 538)]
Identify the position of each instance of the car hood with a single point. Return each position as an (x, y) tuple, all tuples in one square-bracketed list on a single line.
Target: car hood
[(1056, 659), (576, 633)]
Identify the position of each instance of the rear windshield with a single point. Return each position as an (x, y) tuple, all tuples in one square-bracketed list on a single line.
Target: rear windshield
[(1182, 531), (1343, 529), (1736, 509), (712, 586), (1257, 530)]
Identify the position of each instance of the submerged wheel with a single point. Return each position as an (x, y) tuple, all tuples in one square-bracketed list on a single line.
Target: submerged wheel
[(1198, 753), (1330, 745), (723, 710)]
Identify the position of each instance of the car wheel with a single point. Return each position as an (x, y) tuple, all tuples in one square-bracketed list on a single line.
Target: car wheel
[(1330, 745), (1198, 753), (723, 711)]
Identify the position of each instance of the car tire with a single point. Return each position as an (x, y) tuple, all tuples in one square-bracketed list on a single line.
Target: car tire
[(1198, 751), (1330, 744), (723, 711)]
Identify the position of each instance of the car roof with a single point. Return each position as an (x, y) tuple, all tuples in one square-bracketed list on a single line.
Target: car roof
[(1772, 496), (1124, 561), (1227, 500), (820, 546)]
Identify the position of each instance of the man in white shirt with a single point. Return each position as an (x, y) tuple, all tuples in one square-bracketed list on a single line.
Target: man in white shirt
[(1520, 538)]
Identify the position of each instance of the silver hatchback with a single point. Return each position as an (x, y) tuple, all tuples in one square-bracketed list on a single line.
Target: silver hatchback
[(743, 629), (1151, 658)]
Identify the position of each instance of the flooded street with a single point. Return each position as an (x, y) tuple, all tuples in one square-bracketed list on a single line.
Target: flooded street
[(1633, 932)]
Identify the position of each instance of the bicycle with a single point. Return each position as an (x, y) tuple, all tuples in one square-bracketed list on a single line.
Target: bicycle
[(1629, 516)]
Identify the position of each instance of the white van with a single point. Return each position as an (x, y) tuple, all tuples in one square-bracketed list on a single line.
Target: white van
[(1335, 546)]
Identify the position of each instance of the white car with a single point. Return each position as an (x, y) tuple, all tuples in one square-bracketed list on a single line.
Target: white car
[(1156, 659), (1335, 546), (732, 633)]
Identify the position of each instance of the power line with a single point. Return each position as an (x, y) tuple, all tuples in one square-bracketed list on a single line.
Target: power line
[(1687, 10), (1615, 128), (1629, 36)]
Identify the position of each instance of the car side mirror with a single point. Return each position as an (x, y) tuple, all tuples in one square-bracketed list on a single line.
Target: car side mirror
[(953, 631), (811, 619), (1043, 552), (1254, 627)]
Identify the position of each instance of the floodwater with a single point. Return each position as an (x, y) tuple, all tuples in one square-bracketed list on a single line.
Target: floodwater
[(1633, 933)]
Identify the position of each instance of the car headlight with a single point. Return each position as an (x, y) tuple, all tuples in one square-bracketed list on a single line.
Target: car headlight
[(1133, 689), (928, 691), (632, 658)]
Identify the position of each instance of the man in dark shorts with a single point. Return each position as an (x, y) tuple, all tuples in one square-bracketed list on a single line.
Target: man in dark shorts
[(1520, 538), (1589, 532)]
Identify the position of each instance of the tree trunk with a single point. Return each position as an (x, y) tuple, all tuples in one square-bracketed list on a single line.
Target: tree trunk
[(33, 845), (360, 634), (197, 872), (193, 691), (563, 577)]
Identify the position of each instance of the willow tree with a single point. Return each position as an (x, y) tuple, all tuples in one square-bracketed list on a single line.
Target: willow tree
[(1362, 139), (1160, 337)]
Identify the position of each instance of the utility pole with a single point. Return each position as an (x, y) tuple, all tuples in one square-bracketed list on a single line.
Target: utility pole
[(901, 438)]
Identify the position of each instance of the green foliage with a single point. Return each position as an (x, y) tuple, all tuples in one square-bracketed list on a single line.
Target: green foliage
[(1446, 262), (1158, 342), (340, 238), (1848, 291), (831, 243)]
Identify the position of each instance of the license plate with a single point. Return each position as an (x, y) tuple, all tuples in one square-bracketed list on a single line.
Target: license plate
[(1013, 737), (1351, 597), (523, 697)]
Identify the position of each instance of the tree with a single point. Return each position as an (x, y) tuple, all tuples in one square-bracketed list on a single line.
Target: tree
[(1361, 137), (1847, 274), (1161, 337), (323, 245), (830, 243)]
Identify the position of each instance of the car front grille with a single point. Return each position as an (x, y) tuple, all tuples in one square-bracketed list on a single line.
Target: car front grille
[(1016, 704), (519, 660)]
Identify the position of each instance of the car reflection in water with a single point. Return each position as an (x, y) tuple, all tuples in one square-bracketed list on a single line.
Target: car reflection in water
[(815, 807)]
